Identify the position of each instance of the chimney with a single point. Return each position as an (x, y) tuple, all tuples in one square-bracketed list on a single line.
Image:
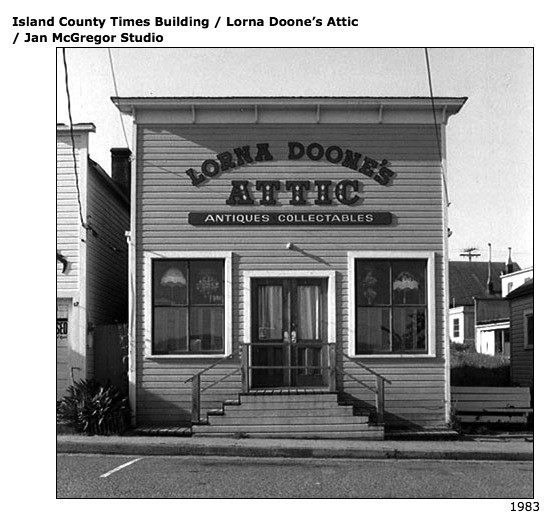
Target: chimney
[(489, 283), (509, 265), (120, 168)]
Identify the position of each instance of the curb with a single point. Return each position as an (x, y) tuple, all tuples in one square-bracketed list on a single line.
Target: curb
[(264, 451)]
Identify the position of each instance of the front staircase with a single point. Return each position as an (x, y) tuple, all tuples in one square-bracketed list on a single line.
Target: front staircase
[(288, 413)]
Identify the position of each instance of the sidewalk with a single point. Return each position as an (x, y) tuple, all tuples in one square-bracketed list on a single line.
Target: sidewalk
[(478, 448)]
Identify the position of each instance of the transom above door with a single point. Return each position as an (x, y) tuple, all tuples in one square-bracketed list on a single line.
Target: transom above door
[(288, 332)]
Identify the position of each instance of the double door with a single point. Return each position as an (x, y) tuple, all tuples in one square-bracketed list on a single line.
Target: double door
[(288, 333)]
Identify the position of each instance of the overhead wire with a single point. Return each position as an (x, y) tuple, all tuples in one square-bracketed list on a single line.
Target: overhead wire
[(117, 94), (84, 224), (438, 139), (75, 162)]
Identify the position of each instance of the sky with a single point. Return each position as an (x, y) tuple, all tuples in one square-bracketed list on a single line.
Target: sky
[(489, 143)]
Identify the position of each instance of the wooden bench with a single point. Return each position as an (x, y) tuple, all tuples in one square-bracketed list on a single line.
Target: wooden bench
[(491, 405)]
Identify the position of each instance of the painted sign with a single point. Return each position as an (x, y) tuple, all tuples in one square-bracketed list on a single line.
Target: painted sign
[(245, 155), (62, 328), (290, 218)]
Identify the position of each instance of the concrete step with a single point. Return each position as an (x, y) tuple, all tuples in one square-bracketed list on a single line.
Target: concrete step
[(275, 420), (286, 428), (281, 411), (289, 397), (276, 404)]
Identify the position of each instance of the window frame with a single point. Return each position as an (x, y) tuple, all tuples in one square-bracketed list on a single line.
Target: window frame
[(226, 257), (429, 257), (456, 327), (526, 345)]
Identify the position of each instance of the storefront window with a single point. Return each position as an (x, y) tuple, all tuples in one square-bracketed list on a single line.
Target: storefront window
[(188, 306), (391, 306)]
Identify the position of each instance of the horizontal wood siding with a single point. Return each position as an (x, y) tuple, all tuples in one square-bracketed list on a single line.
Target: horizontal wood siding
[(522, 359), (107, 254), (67, 211), (165, 195), (62, 364)]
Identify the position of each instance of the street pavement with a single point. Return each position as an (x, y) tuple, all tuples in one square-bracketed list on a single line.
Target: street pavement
[(467, 448), (216, 477)]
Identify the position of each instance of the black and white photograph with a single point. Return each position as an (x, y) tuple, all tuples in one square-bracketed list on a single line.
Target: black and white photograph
[(281, 260), (293, 264)]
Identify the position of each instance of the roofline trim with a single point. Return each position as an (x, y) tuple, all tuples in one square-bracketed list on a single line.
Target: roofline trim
[(129, 104)]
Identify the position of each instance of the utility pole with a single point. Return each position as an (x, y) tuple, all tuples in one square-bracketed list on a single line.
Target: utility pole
[(470, 253)]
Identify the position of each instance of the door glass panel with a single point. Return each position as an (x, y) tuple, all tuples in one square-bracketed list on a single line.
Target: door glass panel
[(270, 312), (308, 315)]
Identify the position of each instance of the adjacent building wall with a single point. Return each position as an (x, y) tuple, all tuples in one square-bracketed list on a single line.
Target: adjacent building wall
[(522, 356), (70, 287)]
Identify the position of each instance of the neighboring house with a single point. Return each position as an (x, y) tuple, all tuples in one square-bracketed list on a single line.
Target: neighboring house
[(511, 281), (91, 250), (478, 314), (521, 302), (288, 248)]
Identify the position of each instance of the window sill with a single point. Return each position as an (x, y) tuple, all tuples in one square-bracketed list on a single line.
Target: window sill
[(423, 356), (183, 356)]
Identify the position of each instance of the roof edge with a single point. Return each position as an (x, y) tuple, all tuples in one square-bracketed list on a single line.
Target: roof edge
[(129, 104)]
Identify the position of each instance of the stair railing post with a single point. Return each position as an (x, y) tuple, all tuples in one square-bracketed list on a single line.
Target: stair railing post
[(380, 400), (244, 368), (196, 399), (331, 358)]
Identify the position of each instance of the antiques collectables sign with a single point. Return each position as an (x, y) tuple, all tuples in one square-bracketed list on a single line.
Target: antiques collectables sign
[(290, 219), (300, 192)]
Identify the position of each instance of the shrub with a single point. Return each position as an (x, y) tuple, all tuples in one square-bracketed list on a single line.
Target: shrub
[(477, 369), (94, 409)]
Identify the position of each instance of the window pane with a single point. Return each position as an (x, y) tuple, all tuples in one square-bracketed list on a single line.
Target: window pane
[(170, 282), (409, 331), (270, 312), (373, 330), (207, 330), (530, 330), (372, 282), (309, 312), (456, 330), (409, 282), (170, 330), (207, 282)]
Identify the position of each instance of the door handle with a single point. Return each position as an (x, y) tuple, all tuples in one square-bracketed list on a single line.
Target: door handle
[(293, 337)]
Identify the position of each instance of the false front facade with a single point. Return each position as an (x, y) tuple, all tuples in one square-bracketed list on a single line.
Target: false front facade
[(289, 245)]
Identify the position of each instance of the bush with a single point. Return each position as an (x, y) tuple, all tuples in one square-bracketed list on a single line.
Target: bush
[(475, 369), (94, 409)]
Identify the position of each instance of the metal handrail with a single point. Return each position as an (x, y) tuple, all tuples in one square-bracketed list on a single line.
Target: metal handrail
[(354, 360), (379, 389), (220, 379), (228, 357), (357, 380)]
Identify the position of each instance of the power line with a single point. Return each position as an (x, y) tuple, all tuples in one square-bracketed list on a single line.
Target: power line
[(436, 127), (72, 138), (117, 94), (85, 225)]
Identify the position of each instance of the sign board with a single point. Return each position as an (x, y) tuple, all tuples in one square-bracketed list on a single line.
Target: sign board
[(330, 219), (62, 328)]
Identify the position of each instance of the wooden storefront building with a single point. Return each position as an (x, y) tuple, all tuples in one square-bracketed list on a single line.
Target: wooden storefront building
[(288, 258)]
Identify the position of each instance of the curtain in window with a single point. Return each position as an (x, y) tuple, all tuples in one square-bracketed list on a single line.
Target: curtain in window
[(270, 312), (308, 312)]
